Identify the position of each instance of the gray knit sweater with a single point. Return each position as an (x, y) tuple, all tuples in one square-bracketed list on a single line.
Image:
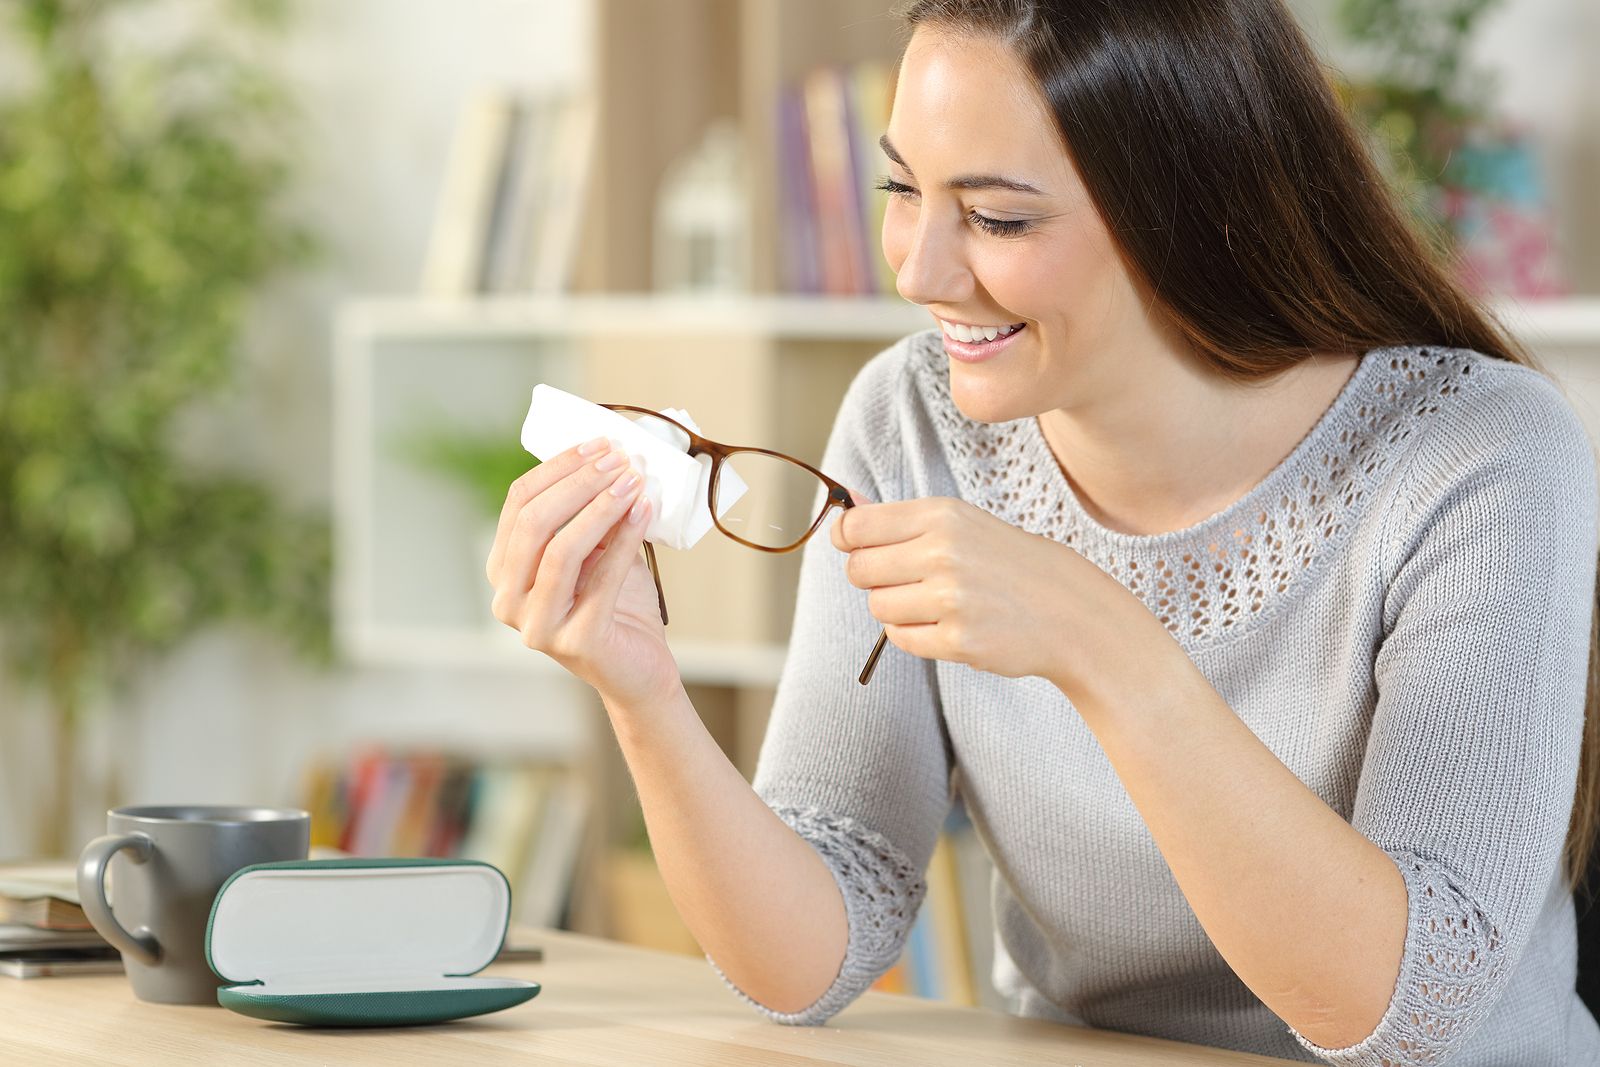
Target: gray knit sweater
[(1399, 611)]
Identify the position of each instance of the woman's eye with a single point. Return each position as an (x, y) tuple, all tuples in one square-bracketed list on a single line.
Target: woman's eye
[(998, 227), (894, 188), (995, 227)]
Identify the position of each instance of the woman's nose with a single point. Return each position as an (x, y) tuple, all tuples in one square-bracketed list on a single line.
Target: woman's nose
[(934, 270)]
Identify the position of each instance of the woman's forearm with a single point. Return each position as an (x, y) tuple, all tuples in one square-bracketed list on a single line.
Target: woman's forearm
[(756, 896), (1309, 913)]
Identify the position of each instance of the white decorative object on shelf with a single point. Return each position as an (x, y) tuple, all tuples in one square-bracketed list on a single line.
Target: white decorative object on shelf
[(702, 218)]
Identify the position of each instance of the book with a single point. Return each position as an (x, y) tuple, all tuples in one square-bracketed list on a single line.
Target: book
[(43, 963), (571, 161), (926, 978), (871, 88), (947, 930), (503, 823), (42, 894), (830, 212), (465, 206), (975, 875), (19, 936), (797, 209), (838, 215), (528, 819), (524, 181), (410, 836), (553, 857)]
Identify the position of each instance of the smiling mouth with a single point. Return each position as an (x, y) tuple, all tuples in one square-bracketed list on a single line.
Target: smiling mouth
[(977, 335)]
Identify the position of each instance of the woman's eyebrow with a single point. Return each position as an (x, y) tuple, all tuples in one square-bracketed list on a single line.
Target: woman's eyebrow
[(967, 181)]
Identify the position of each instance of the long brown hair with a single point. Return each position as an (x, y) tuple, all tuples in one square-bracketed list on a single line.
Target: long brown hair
[(1238, 190)]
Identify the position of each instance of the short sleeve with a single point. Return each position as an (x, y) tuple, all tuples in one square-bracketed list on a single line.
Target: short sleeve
[(862, 772), (1472, 758)]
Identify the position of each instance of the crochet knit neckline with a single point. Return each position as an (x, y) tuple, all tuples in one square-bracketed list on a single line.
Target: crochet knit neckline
[(1231, 514), (1225, 574)]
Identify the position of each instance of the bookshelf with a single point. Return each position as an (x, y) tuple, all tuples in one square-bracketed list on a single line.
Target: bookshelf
[(764, 368)]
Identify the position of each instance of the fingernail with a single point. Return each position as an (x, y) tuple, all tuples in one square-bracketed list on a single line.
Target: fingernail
[(625, 483), (612, 461), (589, 448), (636, 513)]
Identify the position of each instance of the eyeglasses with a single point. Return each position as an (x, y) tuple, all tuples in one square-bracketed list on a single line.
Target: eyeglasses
[(783, 503)]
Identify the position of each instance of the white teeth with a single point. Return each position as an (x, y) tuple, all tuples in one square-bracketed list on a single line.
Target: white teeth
[(971, 334)]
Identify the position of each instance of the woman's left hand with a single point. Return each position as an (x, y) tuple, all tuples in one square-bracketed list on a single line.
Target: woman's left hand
[(950, 581)]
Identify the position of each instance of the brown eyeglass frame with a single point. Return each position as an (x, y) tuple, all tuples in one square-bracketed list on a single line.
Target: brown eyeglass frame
[(838, 496)]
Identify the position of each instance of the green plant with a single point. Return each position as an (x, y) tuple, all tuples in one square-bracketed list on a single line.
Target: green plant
[(1421, 98), (484, 465), (138, 216)]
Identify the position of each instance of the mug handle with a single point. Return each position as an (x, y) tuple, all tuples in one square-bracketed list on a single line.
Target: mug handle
[(141, 944)]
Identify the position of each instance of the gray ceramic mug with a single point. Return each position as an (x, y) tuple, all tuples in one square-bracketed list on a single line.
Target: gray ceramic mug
[(170, 863)]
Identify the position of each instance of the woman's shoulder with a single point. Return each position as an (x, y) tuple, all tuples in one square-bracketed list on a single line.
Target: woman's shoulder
[(895, 377), (887, 429), (1487, 410), (1485, 419)]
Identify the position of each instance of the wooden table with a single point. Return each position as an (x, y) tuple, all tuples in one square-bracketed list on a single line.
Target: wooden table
[(601, 1003)]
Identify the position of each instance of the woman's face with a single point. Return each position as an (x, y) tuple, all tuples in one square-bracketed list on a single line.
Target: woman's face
[(980, 253)]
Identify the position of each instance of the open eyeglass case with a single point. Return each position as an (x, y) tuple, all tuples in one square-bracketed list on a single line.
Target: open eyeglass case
[(362, 942)]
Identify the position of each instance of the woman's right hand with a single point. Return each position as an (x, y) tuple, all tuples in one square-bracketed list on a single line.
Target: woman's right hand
[(569, 577)]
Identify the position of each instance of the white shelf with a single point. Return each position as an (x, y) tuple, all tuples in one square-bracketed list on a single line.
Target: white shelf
[(1568, 329), (714, 663), (1568, 321), (511, 317)]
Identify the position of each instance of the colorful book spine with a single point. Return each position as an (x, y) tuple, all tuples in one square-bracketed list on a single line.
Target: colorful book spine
[(830, 211), (797, 208), (527, 819)]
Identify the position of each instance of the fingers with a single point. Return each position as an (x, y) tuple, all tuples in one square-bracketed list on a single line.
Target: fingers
[(605, 580), (867, 568), (882, 523), (905, 605), (530, 485), (540, 518), (551, 597)]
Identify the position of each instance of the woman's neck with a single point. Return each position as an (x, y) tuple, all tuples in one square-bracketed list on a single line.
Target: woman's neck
[(1175, 454)]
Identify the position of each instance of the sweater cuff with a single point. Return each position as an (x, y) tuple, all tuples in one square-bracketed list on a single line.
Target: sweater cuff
[(882, 891), (1451, 971)]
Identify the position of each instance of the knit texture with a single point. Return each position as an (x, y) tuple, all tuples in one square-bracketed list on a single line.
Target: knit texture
[(1399, 610)]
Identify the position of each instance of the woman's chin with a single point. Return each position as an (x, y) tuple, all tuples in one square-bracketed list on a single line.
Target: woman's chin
[(983, 402)]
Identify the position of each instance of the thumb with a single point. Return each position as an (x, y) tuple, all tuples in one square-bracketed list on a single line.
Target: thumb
[(858, 498)]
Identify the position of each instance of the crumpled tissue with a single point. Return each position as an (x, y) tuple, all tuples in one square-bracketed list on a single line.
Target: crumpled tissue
[(677, 483)]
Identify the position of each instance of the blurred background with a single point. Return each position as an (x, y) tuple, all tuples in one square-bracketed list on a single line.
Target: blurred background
[(277, 279)]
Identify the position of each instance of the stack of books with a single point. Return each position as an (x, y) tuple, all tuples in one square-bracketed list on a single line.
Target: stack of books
[(527, 819), (950, 950), (512, 195), (829, 162), (43, 930)]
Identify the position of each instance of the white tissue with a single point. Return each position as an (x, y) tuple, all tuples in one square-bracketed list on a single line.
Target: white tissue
[(677, 484)]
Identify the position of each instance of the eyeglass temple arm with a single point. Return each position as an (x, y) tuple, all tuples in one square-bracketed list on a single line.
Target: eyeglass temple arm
[(872, 660), (843, 498), (655, 574)]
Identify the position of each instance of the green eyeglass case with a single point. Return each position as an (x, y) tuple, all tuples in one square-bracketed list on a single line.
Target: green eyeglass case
[(362, 942)]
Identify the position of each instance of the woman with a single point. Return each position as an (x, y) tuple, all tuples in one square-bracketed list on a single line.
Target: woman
[(1242, 583)]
